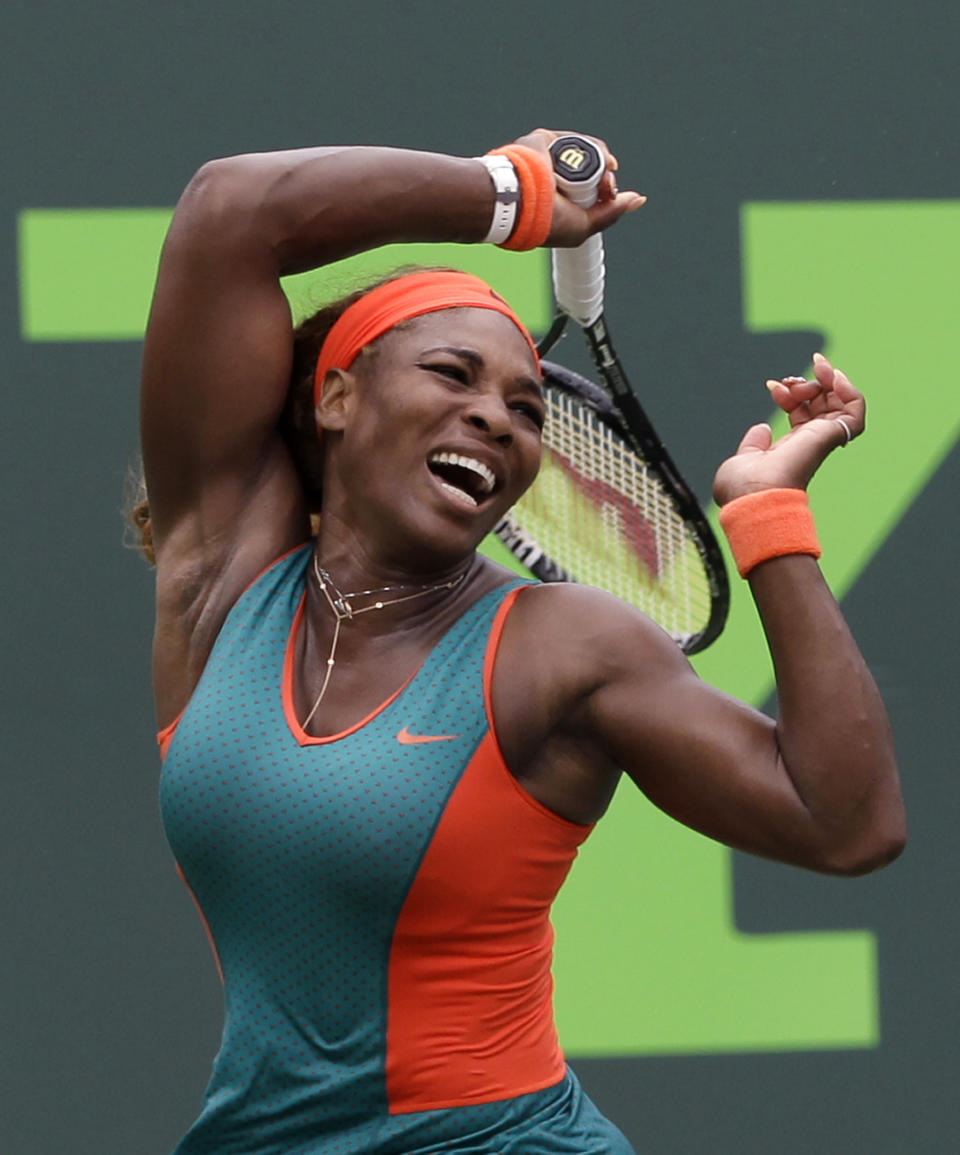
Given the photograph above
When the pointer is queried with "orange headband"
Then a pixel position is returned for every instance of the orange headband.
(410, 296)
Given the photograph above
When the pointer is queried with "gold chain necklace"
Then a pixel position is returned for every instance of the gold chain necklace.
(342, 610)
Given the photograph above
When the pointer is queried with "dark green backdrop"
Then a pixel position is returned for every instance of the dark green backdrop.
(110, 1004)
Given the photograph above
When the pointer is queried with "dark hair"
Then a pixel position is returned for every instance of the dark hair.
(297, 425)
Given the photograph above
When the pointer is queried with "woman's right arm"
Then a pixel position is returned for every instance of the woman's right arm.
(225, 499)
(217, 354)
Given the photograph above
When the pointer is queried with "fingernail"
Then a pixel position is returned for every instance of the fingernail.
(640, 201)
(818, 358)
(771, 384)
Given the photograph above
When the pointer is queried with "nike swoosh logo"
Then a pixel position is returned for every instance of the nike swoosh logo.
(405, 738)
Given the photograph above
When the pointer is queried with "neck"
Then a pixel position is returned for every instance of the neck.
(354, 564)
(345, 605)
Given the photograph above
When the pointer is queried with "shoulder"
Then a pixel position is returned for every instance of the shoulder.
(585, 636)
(572, 657)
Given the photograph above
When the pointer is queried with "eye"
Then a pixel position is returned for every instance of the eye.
(445, 369)
(530, 410)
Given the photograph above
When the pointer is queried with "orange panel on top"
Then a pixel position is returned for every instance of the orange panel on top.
(470, 1014)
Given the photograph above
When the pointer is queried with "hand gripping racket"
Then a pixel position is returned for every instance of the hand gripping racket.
(610, 509)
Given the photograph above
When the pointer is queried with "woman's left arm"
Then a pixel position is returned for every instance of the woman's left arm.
(819, 787)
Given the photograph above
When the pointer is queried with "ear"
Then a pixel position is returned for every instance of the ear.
(336, 398)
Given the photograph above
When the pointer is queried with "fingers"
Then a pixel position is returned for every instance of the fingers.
(549, 135)
(823, 371)
(792, 392)
(853, 418)
(829, 395)
(845, 391)
(757, 439)
(607, 188)
(611, 204)
(835, 381)
(845, 404)
(603, 214)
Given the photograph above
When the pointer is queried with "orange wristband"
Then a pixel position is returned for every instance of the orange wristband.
(535, 173)
(769, 523)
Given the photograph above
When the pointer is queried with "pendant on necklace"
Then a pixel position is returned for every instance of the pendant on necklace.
(343, 611)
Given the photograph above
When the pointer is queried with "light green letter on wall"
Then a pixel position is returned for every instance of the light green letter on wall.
(649, 959)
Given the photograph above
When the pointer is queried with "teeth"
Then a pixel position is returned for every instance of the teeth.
(483, 472)
(461, 493)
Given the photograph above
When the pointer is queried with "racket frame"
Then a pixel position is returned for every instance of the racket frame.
(618, 406)
(578, 278)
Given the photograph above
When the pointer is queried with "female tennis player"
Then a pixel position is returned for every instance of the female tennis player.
(381, 750)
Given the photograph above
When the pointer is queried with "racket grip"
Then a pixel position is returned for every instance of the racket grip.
(578, 274)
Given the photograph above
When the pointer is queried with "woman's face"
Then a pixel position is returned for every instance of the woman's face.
(441, 433)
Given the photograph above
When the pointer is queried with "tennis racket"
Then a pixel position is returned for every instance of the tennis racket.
(609, 508)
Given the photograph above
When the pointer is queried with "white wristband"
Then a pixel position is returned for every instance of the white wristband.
(507, 185)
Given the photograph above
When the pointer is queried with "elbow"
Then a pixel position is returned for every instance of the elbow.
(875, 848)
(216, 189)
(255, 203)
(864, 860)
(867, 829)
(223, 211)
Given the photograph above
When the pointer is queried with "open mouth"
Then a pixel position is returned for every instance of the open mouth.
(463, 477)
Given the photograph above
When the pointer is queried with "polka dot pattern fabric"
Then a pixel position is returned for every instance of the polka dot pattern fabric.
(300, 858)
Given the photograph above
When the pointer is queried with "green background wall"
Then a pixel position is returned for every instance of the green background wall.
(804, 184)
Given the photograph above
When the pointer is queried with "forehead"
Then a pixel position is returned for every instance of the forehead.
(491, 334)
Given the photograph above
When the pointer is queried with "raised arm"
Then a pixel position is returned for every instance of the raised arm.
(217, 356)
(225, 499)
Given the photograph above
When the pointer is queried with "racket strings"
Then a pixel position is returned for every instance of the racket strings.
(603, 514)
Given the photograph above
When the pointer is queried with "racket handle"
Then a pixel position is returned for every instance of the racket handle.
(578, 274)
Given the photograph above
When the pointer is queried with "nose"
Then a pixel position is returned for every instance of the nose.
(490, 415)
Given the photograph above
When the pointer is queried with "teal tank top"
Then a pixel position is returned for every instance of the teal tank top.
(301, 854)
